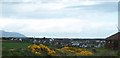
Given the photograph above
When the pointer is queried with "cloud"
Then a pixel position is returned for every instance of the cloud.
(45, 9)
(60, 17)
(69, 25)
(105, 7)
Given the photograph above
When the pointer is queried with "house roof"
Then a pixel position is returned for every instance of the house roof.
(115, 36)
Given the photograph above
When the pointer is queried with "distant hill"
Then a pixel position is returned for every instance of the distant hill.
(10, 34)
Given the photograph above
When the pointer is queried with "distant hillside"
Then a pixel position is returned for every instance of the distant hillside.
(10, 34)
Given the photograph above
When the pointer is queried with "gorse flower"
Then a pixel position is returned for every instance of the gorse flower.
(75, 51)
(44, 50)
(41, 49)
(38, 53)
(84, 53)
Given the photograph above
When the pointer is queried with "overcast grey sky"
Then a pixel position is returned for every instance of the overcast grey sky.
(60, 18)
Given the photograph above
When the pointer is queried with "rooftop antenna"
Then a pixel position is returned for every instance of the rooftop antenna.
(118, 29)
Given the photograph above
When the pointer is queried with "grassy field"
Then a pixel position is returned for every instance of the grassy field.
(105, 52)
(9, 45)
(20, 49)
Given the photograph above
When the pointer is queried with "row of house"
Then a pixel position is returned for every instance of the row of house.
(70, 42)
(13, 38)
(112, 42)
(61, 41)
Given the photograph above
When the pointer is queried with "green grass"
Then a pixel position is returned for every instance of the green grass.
(105, 52)
(18, 46)
(7, 45)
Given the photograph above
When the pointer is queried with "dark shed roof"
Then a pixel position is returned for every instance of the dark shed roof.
(114, 36)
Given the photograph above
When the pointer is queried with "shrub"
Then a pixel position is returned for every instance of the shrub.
(41, 50)
(75, 51)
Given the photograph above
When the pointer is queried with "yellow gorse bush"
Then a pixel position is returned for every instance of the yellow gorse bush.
(84, 53)
(41, 49)
(75, 51)
(44, 50)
